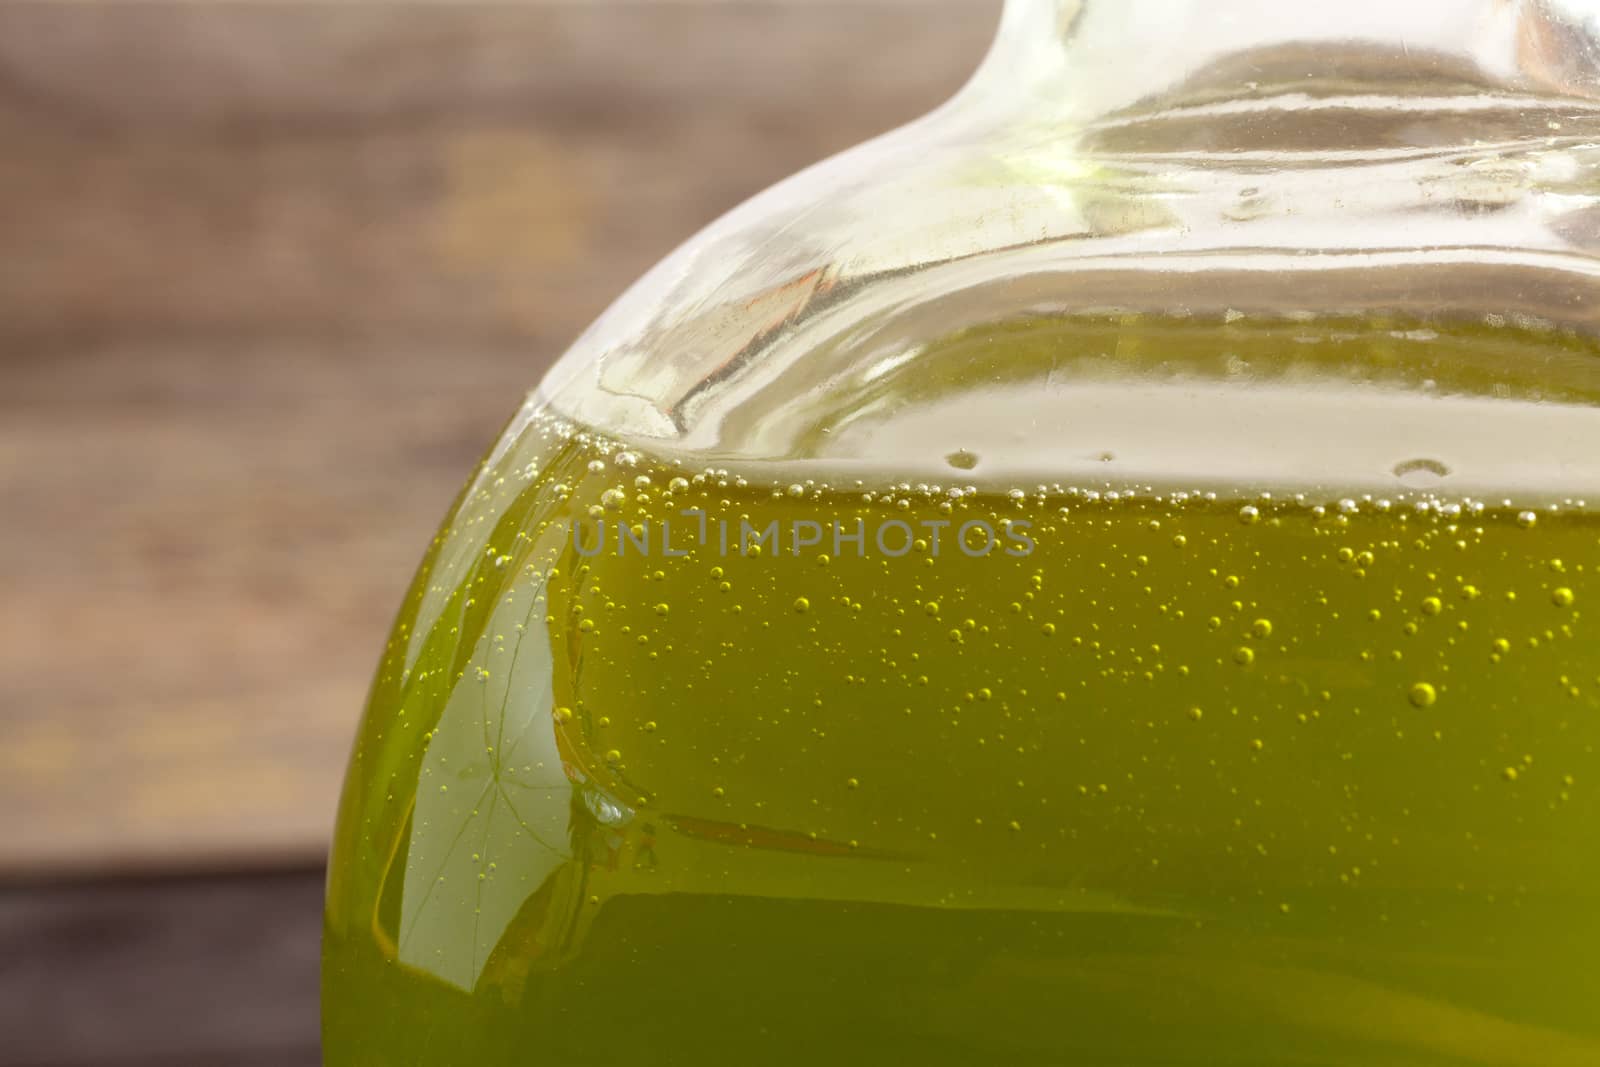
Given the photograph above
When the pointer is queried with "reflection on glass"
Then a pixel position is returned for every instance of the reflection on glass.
(493, 800)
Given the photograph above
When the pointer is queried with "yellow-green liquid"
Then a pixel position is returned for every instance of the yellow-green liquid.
(1202, 778)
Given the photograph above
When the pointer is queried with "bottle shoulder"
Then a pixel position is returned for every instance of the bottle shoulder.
(1344, 204)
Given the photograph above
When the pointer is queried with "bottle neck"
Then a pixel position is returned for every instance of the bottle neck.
(1086, 60)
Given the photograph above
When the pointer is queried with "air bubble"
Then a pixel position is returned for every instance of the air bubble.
(1421, 473)
(962, 460)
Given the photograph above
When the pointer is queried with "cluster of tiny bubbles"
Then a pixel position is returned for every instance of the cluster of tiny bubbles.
(1119, 587)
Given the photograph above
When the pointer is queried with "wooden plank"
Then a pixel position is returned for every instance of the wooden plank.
(274, 275)
(395, 168)
(164, 973)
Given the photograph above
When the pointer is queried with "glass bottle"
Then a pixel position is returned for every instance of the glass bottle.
(1105, 574)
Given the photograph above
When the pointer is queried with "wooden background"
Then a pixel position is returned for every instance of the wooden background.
(271, 276)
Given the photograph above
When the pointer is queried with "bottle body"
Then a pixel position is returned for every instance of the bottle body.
(675, 763)
(1100, 575)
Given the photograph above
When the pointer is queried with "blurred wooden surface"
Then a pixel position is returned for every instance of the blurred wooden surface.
(273, 275)
(191, 972)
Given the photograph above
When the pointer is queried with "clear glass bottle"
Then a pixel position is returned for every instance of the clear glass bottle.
(1104, 574)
